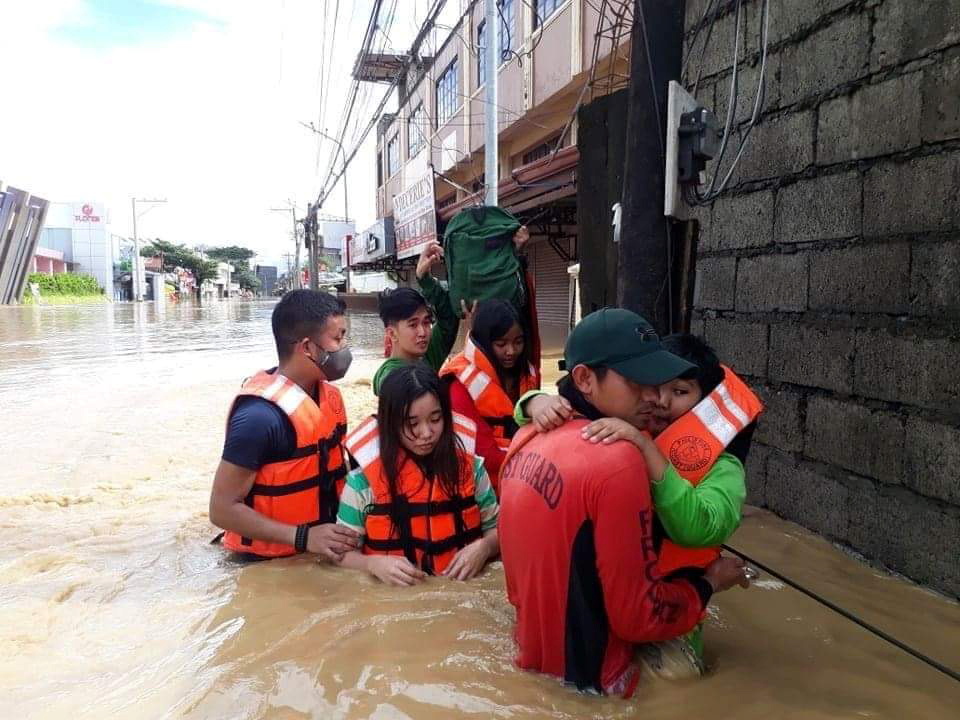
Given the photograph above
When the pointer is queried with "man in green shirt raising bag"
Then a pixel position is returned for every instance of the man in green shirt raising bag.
(423, 326)
(418, 327)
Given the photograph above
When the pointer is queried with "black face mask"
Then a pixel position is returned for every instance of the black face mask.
(334, 364)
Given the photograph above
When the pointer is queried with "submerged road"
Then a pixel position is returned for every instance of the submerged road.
(114, 604)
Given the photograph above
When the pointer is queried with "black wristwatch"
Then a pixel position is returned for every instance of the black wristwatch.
(300, 540)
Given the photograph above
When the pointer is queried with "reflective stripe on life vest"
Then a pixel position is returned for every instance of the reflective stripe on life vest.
(692, 444)
(304, 488)
(422, 522)
(478, 375)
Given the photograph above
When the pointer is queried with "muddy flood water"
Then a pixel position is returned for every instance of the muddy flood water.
(113, 603)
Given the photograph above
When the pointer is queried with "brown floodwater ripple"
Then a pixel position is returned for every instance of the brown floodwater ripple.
(113, 603)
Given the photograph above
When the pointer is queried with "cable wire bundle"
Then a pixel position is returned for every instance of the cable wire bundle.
(691, 193)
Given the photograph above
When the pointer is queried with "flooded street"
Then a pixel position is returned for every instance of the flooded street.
(113, 603)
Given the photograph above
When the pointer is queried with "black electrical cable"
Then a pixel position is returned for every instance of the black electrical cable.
(693, 41)
(703, 49)
(731, 106)
(847, 614)
(332, 180)
(692, 194)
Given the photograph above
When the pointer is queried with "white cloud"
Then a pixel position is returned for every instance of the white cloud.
(208, 118)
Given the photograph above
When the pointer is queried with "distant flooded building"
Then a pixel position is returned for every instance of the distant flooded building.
(79, 232)
(49, 261)
(223, 285)
(267, 274)
(335, 236)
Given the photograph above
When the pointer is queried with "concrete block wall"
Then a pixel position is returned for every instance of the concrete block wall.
(829, 271)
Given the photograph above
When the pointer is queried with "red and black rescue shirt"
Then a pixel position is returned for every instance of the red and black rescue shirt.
(578, 549)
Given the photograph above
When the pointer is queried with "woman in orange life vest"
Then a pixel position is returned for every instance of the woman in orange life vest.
(420, 499)
(489, 376)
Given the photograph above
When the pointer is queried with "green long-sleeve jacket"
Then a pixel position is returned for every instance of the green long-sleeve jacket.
(444, 335)
(706, 514)
(693, 516)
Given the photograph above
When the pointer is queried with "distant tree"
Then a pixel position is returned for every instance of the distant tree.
(174, 256)
(202, 270)
(247, 280)
(237, 256)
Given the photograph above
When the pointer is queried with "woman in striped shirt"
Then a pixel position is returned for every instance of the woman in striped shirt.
(421, 498)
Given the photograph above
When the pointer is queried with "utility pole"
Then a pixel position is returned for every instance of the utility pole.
(139, 276)
(298, 281)
(491, 148)
(656, 57)
(296, 285)
(310, 240)
(323, 134)
(137, 291)
(347, 242)
(346, 207)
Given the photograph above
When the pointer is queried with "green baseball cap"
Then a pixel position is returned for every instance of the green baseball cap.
(623, 341)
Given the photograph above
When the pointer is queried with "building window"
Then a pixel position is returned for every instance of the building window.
(540, 151)
(543, 9)
(393, 155)
(506, 39)
(447, 94)
(379, 168)
(416, 127)
(507, 24)
(482, 54)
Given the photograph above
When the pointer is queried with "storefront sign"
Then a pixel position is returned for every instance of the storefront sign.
(415, 217)
(87, 215)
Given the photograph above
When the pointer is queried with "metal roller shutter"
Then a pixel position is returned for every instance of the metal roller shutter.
(552, 282)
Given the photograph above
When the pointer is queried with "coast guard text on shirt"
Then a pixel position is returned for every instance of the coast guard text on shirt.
(540, 474)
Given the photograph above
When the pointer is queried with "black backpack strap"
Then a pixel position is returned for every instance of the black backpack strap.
(419, 509)
(498, 241)
(509, 425)
(427, 547)
(402, 511)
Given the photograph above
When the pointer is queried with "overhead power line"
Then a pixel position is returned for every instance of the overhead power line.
(429, 23)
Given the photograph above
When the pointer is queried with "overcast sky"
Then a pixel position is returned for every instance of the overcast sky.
(195, 101)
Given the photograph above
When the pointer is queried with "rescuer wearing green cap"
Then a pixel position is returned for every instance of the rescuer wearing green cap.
(577, 522)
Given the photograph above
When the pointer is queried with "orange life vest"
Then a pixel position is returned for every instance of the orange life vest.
(422, 523)
(304, 489)
(479, 377)
(693, 443)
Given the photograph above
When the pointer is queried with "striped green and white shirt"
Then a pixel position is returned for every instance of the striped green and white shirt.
(357, 497)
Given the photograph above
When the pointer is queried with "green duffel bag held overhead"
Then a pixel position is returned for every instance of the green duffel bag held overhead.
(481, 259)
